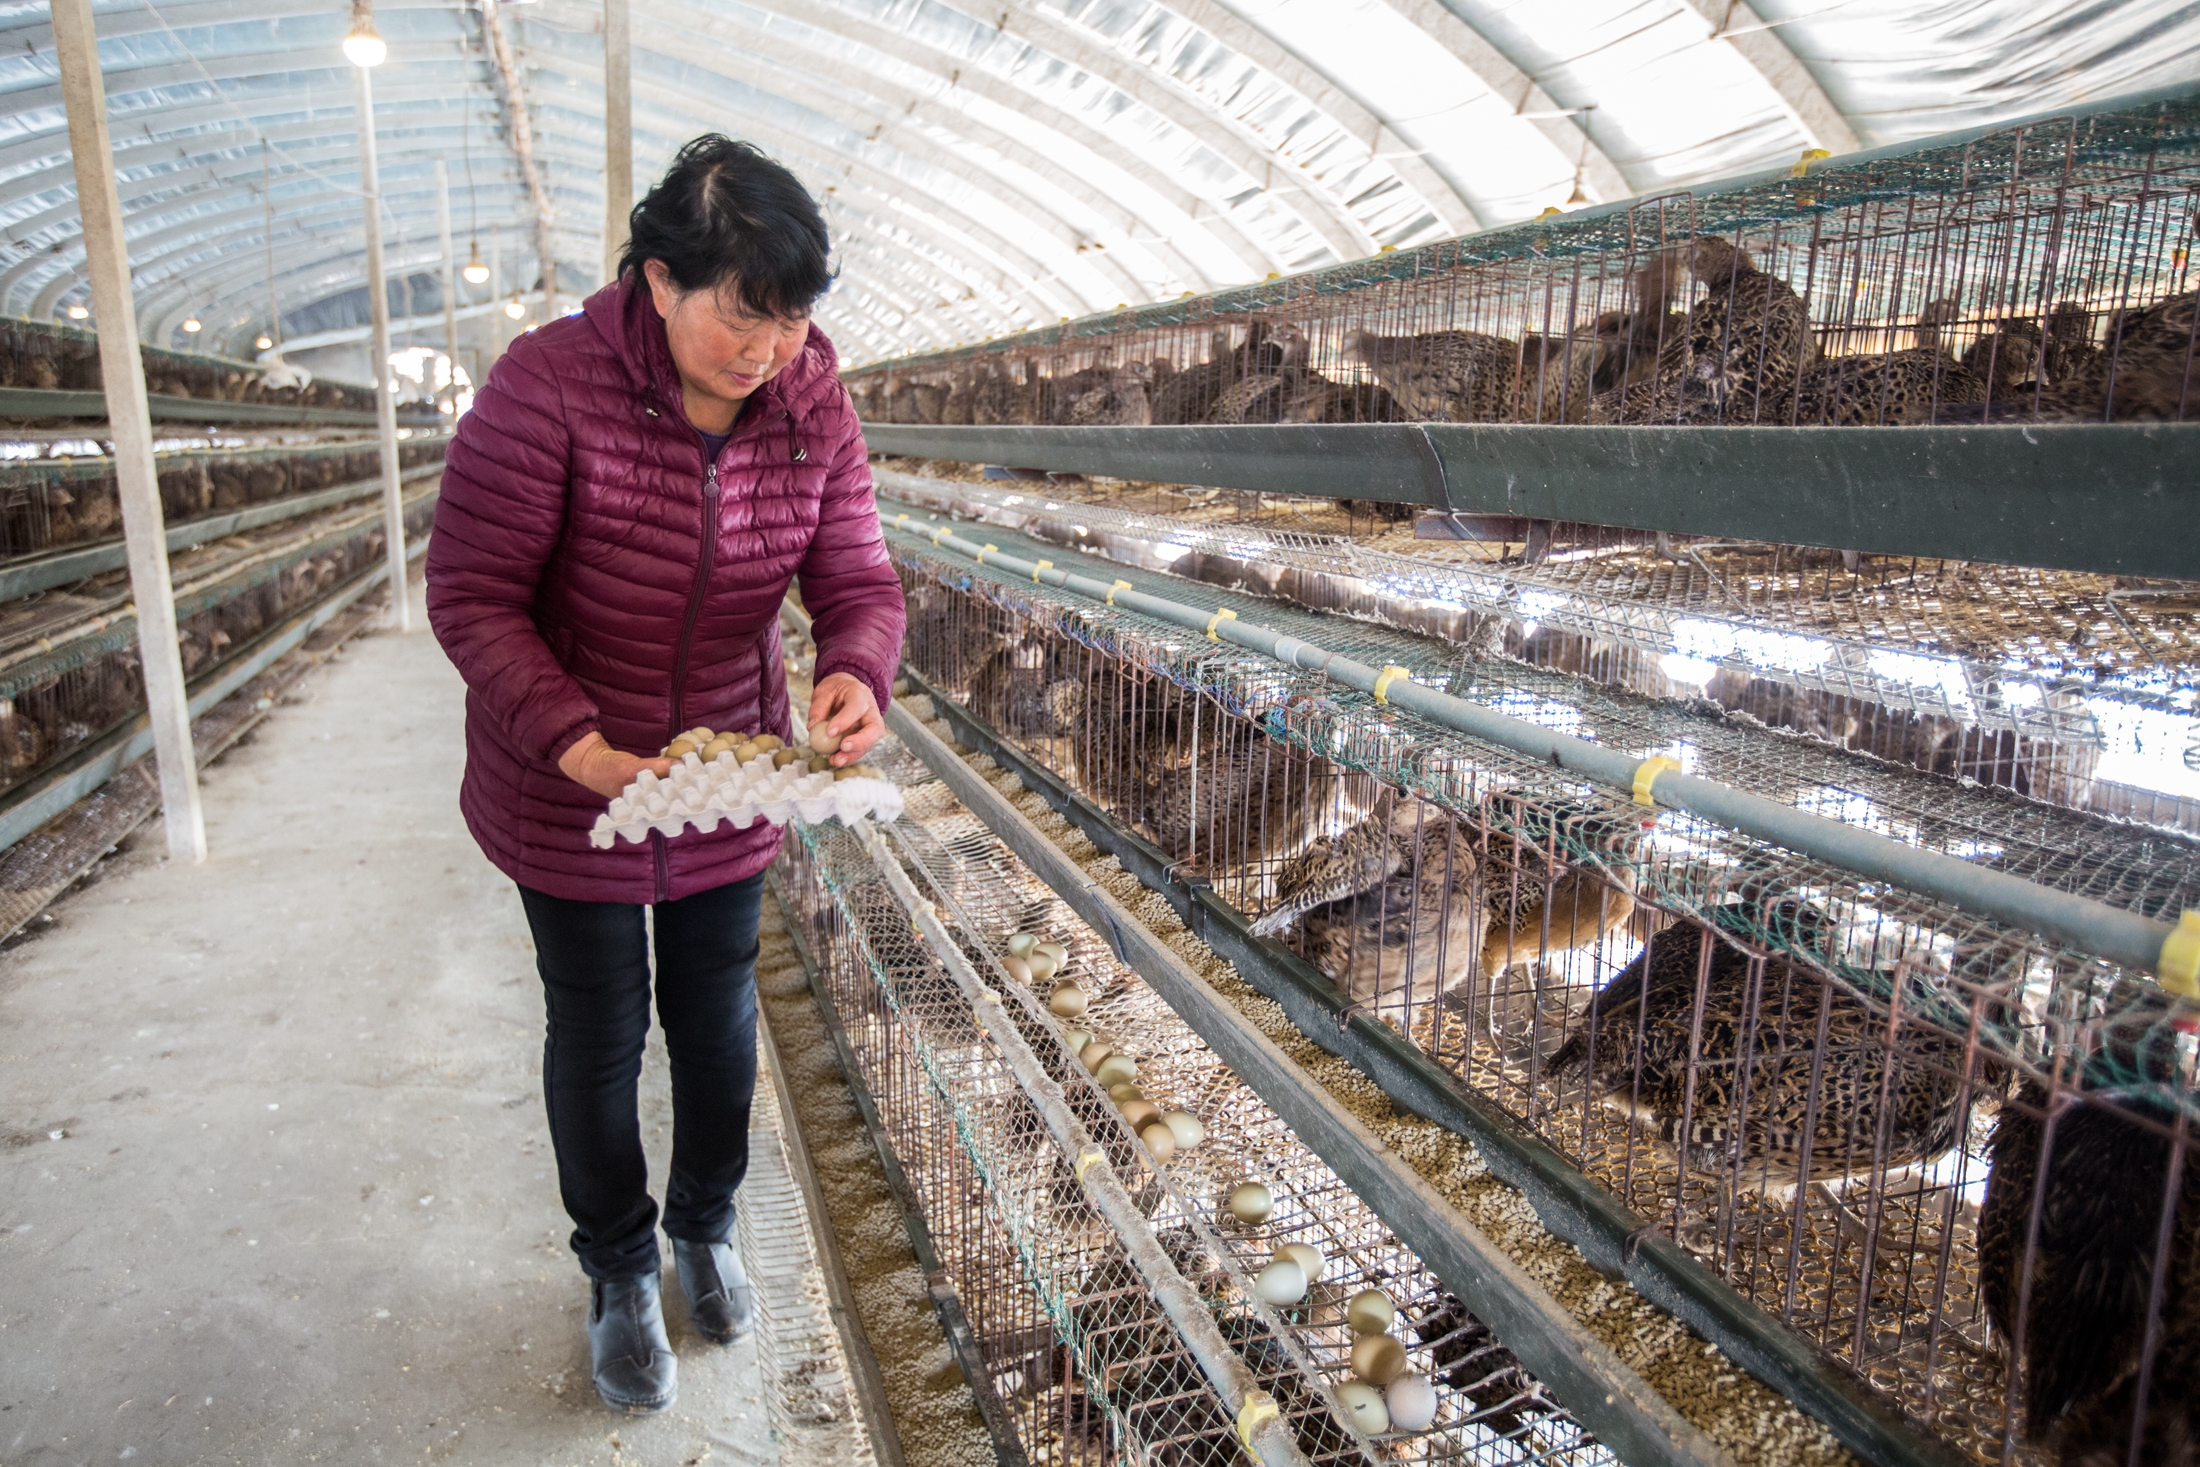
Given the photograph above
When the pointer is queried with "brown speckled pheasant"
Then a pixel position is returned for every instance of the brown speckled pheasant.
(1118, 400)
(999, 396)
(1756, 1053)
(1890, 388)
(1745, 345)
(1442, 376)
(1561, 375)
(1405, 897)
(2091, 1262)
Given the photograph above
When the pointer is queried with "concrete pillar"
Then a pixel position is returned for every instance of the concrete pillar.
(618, 132)
(385, 403)
(450, 274)
(122, 374)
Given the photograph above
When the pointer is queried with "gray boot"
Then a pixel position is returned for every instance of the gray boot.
(635, 1368)
(716, 1288)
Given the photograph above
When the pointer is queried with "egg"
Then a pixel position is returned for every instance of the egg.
(681, 747)
(1115, 1069)
(1158, 1141)
(1250, 1202)
(770, 743)
(1411, 1400)
(1140, 1113)
(1185, 1127)
(1125, 1091)
(1067, 999)
(1309, 1258)
(819, 764)
(1370, 1312)
(823, 742)
(1042, 964)
(781, 758)
(1364, 1404)
(1093, 1053)
(745, 752)
(1014, 968)
(1055, 950)
(1021, 944)
(1378, 1359)
(716, 747)
(1076, 1039)
(1281, 1282)
(852, 771)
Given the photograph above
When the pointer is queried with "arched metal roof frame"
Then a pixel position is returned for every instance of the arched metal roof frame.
(986, 167)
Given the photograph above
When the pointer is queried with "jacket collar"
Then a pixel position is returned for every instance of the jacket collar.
(627, 320)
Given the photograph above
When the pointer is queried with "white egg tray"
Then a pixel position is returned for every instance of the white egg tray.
(702, 795)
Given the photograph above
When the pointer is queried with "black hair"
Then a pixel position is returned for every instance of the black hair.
(724, 214)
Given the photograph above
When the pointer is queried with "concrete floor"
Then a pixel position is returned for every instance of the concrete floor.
(274, 1176)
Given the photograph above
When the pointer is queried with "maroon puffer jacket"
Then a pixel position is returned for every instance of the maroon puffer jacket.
(589, 572)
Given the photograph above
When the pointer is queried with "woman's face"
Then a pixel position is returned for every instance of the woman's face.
(723, 353)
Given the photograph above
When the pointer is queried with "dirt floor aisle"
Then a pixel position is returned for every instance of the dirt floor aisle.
(275, 1181)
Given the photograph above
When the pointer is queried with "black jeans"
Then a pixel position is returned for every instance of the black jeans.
(594, 961)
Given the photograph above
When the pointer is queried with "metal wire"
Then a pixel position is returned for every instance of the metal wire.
(997, 1189)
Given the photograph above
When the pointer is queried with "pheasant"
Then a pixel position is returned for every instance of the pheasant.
(1754, 1106)
(1272, 377)
(1560, 376)
(1402, 901)
(2147, 374)
(1000, 397)
(2006, 357)
(1118, 399)
(1745, 344)
(2084, 1279)
(2070, 349)
(1890, 388)
(1442, 376)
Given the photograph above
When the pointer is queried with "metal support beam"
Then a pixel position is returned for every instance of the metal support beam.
(618, 132)
(519, 132)
(450, 273)
(76, 54)
(2080, 497)
(385, 400)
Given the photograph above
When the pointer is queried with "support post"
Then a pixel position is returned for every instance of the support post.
(618, 132)
(450, 277)
(122, 374)
(497, 317)
(385, 402)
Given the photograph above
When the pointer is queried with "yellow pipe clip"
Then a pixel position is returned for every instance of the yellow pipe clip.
(1646, 775)
(1217, 620)
(1259, 1406)
(1385, 678)
(1042, 565)
(2180, 962)
(1118, 586)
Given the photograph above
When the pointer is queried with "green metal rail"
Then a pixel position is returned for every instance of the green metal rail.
(36, 402)
(2111, 498)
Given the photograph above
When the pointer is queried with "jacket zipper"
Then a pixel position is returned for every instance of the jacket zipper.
(687, 637)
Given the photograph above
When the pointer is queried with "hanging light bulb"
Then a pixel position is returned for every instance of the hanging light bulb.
(191, 325)
(263, 342)
(78, 313)
(513, 308)
(363, 44)
(476, 273)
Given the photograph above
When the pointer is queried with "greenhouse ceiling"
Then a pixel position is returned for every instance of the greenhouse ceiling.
(987, 165)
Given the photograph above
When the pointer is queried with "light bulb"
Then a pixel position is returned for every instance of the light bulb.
(263, 343)
(514, 309)
(191, 324)
(363, 44)
(475, 272)
(78, 313)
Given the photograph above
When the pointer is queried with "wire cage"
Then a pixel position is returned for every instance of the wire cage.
(2041, 271)
(50, 357)
(1987, 674)
(1819, 1084)
(69, 680)
(55, 503)
(1084, 1361)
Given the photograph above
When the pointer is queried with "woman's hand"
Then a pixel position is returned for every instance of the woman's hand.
(605, 770)
(842, 704)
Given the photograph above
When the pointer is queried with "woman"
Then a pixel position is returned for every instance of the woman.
(622, 511)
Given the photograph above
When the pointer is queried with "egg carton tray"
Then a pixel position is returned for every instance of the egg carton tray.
(702, 795)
